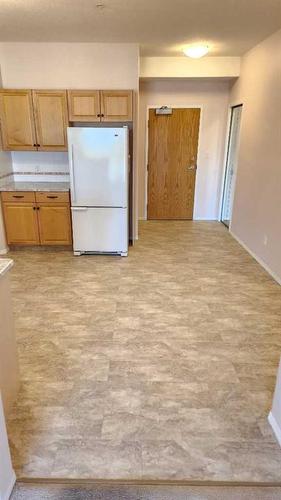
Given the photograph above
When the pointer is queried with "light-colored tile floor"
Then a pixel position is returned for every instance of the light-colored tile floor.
(161, 365)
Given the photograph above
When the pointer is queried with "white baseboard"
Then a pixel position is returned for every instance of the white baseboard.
(4, 251)
(9, 490)
(194, 219)
(275, 427)
(205, 219)
(258, 259)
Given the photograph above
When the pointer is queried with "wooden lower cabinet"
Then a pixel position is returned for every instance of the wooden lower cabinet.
(35, 223)
(54, 224)
(21, 223)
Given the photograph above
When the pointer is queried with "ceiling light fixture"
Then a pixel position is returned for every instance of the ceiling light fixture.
(196, 51)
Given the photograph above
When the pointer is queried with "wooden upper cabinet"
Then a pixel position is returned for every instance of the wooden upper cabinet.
(84, 105)
(100, 105)
(51, 119)
(17, 121)
(116, 105)
(38, 119)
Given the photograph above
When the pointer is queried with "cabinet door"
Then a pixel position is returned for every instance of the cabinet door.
(51, 120)
(21, 223)
(54, 224)
(17, 120)
(84, 105)
(116, 105)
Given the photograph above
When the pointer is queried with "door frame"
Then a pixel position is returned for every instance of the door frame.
(175, 106)
(225, 159)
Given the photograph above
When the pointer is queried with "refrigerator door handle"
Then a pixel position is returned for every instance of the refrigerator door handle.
(71, 171)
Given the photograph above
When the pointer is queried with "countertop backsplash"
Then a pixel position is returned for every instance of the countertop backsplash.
(40, 177)
(36, 166)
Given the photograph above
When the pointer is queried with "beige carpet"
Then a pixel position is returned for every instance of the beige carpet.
(47, 491)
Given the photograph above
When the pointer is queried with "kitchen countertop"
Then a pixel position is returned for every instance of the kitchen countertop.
(5, 265)
(35, 186)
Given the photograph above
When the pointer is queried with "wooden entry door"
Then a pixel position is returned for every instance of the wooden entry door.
(172, 159)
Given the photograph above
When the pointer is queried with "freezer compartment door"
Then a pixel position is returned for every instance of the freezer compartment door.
(103, 230)
(98, 164)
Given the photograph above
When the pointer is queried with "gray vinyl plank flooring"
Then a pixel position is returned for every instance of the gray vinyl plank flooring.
(161, 365)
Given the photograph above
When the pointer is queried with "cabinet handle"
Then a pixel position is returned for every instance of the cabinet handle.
(34, 208)
(52, 197)
(102, 115)
(35, 145)
(38, 145)
(99, 115)
(38, 208)
(18, 196)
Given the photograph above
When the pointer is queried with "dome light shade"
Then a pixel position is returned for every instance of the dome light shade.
(196, 51)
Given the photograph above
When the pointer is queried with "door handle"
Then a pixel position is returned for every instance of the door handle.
(71, 171)
(192, 167)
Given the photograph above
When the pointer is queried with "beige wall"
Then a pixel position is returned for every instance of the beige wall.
(69, 65)
(186, 67)
(9, 376)
(6, 167)
(3, 244)
(256, 218)
(7, 474)
(213, 96)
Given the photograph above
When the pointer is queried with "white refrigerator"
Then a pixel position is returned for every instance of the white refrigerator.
(99, 165)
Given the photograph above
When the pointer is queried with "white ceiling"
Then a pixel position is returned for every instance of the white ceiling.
(162, 27)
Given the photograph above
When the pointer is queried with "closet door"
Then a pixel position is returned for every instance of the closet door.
(51, 119)
(116, 105)
(17, 121)
(84, 105)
